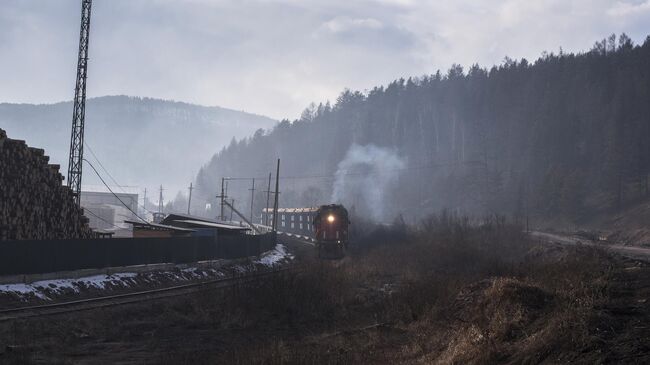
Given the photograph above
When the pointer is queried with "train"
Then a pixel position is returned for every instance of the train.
(326, 225)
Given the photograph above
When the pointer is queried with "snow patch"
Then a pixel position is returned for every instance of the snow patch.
(275, 256)
(49, 289)
(39, 288)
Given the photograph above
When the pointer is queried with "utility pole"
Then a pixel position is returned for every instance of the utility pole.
(221, 197)
(527, 206)
(252, 198)
(268, 199)
(277, 191)
(189, 201)
(160, 201)
(226, 196)
(257, 230)
(75, 162)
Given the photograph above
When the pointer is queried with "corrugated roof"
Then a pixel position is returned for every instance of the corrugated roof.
(179, 216)
(292, 210)
(213, 225)
(163, 226)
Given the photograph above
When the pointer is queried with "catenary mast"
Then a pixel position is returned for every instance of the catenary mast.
(75, 162)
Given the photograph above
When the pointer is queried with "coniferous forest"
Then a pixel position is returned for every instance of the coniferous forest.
(566, 135)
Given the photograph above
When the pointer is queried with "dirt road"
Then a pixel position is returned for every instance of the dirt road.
(634, 252)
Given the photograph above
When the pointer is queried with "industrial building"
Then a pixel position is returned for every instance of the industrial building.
(183, 225)
(106, 211)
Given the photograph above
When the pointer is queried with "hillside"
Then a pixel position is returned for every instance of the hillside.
(141, 142)
(566, 136)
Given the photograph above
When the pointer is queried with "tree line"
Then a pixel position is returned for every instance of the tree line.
(567, 135)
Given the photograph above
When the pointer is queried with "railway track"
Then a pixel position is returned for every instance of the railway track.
(136, 297)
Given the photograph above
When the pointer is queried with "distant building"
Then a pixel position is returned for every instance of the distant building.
(107, 212)
(202, 226)
(183, 225)
(155, 230)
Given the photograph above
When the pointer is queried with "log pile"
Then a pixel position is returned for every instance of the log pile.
(34, 203)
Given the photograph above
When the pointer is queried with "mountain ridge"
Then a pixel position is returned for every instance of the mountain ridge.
(142, 141)
(133, 97)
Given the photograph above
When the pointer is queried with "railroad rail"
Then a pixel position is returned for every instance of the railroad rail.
(135, 297)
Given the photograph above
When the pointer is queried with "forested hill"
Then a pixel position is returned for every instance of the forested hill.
(142, 142)
(566, 135)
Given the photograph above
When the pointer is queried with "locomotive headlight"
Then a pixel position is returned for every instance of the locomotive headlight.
(330, 218)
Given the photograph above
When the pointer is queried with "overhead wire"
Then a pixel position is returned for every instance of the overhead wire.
(351, 172)
(102, 166)
(360, 173)
(111, 176)
(86, 210)
(112, 192)
(295, 177)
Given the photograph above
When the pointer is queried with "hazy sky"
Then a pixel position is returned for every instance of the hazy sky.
(274, 57)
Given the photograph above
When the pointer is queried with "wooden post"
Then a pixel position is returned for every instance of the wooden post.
(268, 199)
(275, 203)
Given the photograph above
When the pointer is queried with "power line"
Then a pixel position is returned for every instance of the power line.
(349, 172)
(379, 171)
(111, 176)
(115, 195)
(361, 173)
(102, 166)
(86, 210)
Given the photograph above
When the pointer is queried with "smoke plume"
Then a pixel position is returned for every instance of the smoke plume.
(365, 177)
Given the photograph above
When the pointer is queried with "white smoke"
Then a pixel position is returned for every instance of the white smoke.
(365, 177)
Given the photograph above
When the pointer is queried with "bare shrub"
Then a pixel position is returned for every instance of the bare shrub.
(452, 290)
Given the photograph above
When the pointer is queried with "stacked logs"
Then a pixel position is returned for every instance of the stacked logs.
(34, 203)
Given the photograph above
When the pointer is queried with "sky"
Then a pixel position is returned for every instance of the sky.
(274, 57)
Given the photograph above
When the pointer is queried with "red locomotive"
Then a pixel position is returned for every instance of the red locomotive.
(326, 225)
(331, 230)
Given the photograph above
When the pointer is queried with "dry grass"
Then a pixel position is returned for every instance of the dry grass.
(451, 291)
(462, 293)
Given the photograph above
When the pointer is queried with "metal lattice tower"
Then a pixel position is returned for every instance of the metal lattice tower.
(75, 163)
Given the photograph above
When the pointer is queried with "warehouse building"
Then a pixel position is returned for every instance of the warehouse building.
(183, 225)
(106, 212)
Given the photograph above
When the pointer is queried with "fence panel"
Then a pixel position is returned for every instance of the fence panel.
(39, 257)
